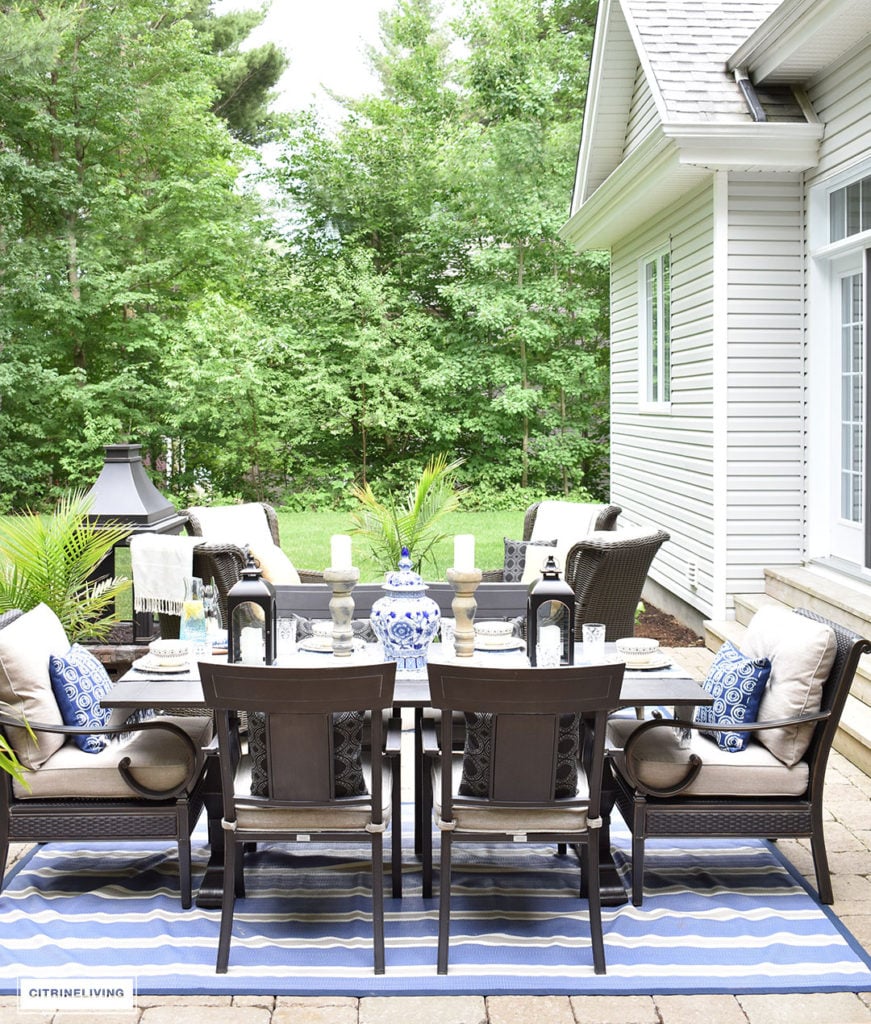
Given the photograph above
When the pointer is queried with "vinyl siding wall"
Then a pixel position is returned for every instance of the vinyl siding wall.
(643, 115)
(662, 461)
(842, 101)
(720, 469)
(764, 454)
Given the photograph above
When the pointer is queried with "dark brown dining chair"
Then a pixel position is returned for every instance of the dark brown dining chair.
(302, 796)
(525, 771)
(666, 789)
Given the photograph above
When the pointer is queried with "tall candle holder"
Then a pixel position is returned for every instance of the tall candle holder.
(465, 583)
(342, 583)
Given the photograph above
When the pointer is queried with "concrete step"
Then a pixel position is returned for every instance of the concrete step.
(821, 590)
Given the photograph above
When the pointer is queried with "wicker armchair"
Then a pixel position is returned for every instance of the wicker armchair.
(749, 793)
(606, 519)
(607, 572)
(223, 562)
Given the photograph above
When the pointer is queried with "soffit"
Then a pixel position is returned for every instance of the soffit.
(801, 38)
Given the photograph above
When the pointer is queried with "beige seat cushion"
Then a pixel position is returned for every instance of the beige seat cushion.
(25, 684)
(801, 652)
(158, 760)
(483, 818)
(337, 817)
(659, 761)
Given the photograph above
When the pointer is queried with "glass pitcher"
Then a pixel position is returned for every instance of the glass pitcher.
(193, 617)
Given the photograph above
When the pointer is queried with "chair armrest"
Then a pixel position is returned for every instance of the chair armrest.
(429, 738)
(393, 737)
(694, 762)
(124, 763)
(310, 576)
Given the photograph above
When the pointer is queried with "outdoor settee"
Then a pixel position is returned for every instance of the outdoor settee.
(90, 776)
(758, 772)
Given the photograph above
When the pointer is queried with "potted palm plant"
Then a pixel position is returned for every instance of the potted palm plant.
(52, 559)
(412, 521)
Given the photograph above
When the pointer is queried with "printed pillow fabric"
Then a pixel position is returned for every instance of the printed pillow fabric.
(736, 683)
(80, 682)
(515, 557)
(347, 753)
(478, 753)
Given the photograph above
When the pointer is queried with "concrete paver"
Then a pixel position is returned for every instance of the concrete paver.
(614, 1009)
(523, 1009)
(434, 1010)
(808, 1008)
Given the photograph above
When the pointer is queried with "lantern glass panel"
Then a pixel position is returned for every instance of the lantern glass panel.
(249, 625)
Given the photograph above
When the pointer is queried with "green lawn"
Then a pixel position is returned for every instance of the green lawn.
(305, 539)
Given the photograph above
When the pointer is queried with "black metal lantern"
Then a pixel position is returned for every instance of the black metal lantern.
(550, 618)
(251, 618)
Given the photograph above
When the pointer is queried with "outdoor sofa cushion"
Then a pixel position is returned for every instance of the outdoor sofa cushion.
(25, 685)
(660, 761)
(336, 817)
(246, 525)
(158, 760)
(568, 521)
(801, 652)
(472, 818)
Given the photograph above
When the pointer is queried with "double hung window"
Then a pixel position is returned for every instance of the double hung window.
(656, 328)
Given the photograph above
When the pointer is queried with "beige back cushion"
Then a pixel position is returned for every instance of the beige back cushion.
(234, 524)
(568, 521)
(25, 684)
(801, 652)
(274, 564)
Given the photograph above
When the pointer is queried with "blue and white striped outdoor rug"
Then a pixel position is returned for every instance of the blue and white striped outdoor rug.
(718, 917)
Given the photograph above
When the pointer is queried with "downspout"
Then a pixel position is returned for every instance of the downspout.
(748, 91)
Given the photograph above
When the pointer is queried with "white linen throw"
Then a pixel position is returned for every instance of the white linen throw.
(160, 563)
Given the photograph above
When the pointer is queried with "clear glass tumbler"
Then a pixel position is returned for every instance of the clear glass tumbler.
(594, 642)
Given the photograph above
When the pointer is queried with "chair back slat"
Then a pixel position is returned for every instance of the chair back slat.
(530, 776)
(299, 758)
(573, 688)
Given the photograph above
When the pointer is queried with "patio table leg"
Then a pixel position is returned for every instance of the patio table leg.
(212, 886)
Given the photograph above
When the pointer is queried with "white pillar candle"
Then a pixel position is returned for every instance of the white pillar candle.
(464, 552)
(340, 551)
(251, 646)
(549, 637)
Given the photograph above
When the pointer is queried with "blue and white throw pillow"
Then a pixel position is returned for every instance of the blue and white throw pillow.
(80, 682)
(736, 683)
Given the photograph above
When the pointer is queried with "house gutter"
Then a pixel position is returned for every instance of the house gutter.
(748, 91)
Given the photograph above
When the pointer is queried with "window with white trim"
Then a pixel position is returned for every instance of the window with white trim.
(656, 327)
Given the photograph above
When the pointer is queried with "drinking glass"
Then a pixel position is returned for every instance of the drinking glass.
(193, 617)
(285, 640)
(594, 641)
(547, 655)
(447, 636)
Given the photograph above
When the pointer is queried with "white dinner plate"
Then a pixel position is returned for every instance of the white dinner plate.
(658, 661)
(149, 663)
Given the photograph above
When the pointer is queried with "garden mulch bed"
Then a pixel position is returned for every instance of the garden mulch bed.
(666, 629)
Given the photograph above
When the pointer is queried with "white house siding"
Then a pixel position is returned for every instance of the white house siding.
(643, 115)
(765, 485)
(842, 101)
(662, 461)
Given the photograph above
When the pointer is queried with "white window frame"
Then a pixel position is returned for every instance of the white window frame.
(654, 331)
(829, 263)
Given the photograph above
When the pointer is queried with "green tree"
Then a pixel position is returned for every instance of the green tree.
(118, 186)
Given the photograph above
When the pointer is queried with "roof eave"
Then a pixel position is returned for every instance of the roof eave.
(674, 159)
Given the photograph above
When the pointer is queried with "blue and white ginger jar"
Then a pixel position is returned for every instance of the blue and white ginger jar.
(405, 620)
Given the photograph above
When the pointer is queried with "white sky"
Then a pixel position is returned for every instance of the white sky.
(325, 40)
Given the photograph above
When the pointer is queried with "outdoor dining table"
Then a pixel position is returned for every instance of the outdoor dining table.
(670, 685)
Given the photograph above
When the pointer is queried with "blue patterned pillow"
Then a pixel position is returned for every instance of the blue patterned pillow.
(736, 683)
(79, 682)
